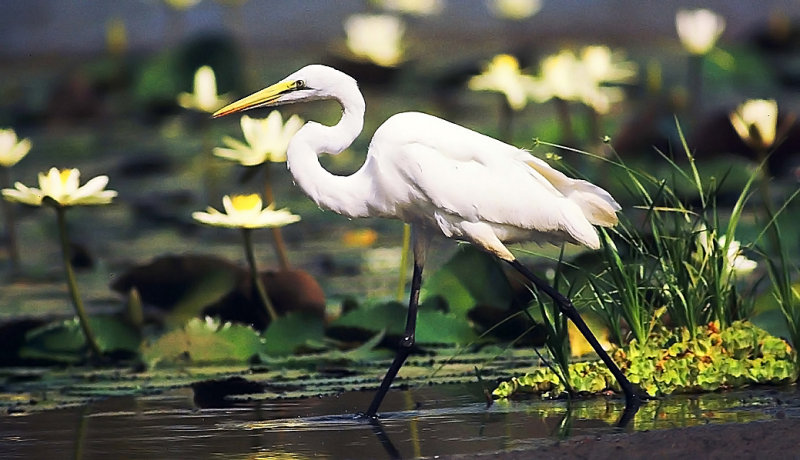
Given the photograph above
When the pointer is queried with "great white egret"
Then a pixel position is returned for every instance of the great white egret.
(443, 179)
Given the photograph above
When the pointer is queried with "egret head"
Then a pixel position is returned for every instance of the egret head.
(313, 82)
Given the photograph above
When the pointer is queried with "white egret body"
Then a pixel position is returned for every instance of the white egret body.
(443, 179)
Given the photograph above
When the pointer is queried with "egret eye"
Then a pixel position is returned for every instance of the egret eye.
(299, 84)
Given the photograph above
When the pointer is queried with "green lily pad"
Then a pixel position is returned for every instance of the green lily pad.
(469, 278)
(389, 316)
(64, 341)
(288, 333)
(436, 327)
(204, 342)
(433, 326)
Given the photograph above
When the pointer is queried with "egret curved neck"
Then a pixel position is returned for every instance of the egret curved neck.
(346, 195)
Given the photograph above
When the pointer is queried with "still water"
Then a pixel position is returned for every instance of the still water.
(426, 421)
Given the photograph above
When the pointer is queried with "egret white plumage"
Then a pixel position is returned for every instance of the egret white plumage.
(443, 179)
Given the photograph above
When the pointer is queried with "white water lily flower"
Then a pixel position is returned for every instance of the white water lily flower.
(12, 149)
(265, 140)
(376, 38)
(560, 77)
(756, 122)
(63, 188)
(245, 211)
(414, 7)
(699, 29)
(606, 66)
(514, 9)
(736, 263)
(564, 76)
(502, 74)
(181, 5)
(204, 98)
(583, 79)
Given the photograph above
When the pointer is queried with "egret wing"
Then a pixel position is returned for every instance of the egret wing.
(485, 172)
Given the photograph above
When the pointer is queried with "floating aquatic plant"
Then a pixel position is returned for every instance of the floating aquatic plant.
(591, 77)
(204, 97)
(203, 342)
(698, 31)
(756, 121)
(412, 7)
(266, 142)
(675, 361)
(247, 212)
(376, 38)
(586, 77)
(515, 10)
(503, 75)
(61, 189)
(181, 5)
(12, 150)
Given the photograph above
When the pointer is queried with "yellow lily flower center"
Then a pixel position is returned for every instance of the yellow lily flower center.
(506, 61)
(246, 202)
(64, 175)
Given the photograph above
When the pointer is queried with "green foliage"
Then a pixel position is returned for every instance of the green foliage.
(367, 352)
(437, 327)
(676, 361)
(785, 292)
(207, 288)
(65, 342)
(584, 377)
(389, 316)
(203, 342)
(287, 334)
(158, 80)
(627, 299)
(433, 326)
(673, 254)
(471, 277)
(557, 337)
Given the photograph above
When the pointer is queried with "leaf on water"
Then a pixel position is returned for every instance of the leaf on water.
(366, 320)
(203, 342)
(366, 352)
(64, 341)
(290, 332)
(470, 277)
(434, 327)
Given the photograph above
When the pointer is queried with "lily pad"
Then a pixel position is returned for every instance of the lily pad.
(471, 277)
(433, 326)
(444, 328)
(204, 342)
(288, 333)
(64, 341)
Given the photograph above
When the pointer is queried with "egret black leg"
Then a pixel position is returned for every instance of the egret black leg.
(406, 343)
(632, 399)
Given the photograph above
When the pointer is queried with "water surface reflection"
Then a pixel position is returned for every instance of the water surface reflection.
(429, 421)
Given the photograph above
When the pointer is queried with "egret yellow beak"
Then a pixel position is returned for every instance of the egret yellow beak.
(259, 99)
